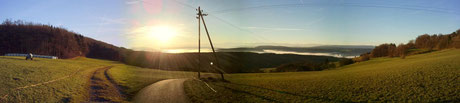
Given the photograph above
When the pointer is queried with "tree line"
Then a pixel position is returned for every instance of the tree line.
(422, 44)
(26, 37)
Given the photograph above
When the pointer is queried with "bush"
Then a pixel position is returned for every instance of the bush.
(362, 57)
(345, 61)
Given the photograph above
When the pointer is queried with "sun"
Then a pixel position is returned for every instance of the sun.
(162, 34)
(154, 37)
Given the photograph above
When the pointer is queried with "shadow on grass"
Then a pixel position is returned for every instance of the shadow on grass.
(282, 92)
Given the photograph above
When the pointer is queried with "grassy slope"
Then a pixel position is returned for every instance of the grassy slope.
(425, 77)
(16, 72)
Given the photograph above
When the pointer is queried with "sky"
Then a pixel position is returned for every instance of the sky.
(172, 24)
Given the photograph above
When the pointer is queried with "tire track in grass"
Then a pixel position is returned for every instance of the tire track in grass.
(102, 88)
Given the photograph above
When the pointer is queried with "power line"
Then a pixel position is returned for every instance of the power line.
(406, 7)
(184, 4)
(241, 29)
(224, 21)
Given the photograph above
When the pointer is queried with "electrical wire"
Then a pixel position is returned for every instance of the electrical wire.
(406, 7)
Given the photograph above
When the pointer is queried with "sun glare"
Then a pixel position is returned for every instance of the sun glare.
(163, 34)
(154, 37)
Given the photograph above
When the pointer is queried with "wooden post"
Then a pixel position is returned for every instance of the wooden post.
(199, 42)
(212, 47)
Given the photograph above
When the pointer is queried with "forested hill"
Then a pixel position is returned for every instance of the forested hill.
(25, 37)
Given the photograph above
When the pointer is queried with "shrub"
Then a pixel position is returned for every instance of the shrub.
(345, 61)
(362, 57)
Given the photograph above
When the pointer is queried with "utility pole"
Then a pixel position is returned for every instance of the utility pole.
(200, 16)
(199, 42)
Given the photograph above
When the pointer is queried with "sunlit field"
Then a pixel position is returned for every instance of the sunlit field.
(70, 78)
(229, 51)
(431, 77)
(25, 81)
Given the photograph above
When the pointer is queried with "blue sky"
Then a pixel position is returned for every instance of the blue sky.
(235, 23)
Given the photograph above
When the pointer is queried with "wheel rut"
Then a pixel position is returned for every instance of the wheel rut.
(103, 88)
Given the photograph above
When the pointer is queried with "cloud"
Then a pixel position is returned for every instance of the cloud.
(283, 29)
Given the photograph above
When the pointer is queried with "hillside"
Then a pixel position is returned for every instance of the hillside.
(235, 62)
(68, 80)
(422, 44)
(26, 37)
(431, 77)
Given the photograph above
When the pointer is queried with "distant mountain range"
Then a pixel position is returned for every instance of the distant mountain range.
(347, 51)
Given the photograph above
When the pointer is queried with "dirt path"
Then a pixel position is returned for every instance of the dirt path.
(165, 91)
(102, 88)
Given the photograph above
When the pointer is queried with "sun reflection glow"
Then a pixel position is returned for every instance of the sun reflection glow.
(163, 34)
(153, 37)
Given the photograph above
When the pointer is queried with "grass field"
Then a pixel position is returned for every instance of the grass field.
(18, 78)
(71, 78)
(431, 77)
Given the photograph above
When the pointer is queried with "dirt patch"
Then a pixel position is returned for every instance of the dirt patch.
(103, 89)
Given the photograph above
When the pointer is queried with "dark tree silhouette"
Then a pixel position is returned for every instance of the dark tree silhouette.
(25, 37)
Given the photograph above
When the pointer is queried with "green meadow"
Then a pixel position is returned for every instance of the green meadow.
(29, 81)
(26, 81)
(430, 77)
